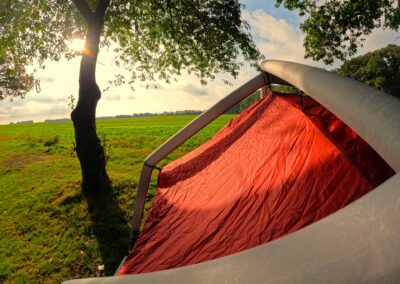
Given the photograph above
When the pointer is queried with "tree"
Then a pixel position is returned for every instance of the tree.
(334, 29)
(241, 106)
(380, 69)
(156, 40)
(14, 80)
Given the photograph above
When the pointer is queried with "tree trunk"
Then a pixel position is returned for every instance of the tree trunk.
(90, 152)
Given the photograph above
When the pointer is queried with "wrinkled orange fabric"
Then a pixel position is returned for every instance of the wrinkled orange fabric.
(276, 168)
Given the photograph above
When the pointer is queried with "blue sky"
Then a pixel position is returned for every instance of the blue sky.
(269, 7)
(275, 31)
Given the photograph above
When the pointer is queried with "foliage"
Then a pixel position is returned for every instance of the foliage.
(52, 231)
(285, 89)
(71, 102)
(379, 69)
(105, 143)
(255, 97)
(52, 141)
(334, 29)
(241, 106)
(14, 80)
(153, 39)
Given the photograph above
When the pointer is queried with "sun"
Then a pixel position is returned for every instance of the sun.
(77, 45)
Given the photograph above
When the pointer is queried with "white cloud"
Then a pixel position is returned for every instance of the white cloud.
(111, 97)
(379, 38)
(277, 38)
(194, 90)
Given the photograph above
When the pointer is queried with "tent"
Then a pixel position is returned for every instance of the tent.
(267, 198)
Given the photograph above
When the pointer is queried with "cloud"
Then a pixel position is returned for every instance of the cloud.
(111, 97)
(5, 111)
(46, 79)
(33, 111)
(46, 99)
(194, 90)
(276, 38)
(379, 38)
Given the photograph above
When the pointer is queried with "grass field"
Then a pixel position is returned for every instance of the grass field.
(50, 231)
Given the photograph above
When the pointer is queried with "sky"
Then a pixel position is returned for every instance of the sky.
(275, 31)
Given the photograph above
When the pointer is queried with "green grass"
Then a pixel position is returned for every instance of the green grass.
(50, 231)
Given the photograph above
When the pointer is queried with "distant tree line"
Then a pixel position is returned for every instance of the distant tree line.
(165, 113)
(23, 122)
(143, 114)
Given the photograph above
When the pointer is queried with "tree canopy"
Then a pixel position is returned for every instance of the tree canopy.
(335, 29)
(154, 39)
(379, 69)
(14, 80)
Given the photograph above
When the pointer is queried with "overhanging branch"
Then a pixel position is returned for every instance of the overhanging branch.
(84, 9)
(102, 8)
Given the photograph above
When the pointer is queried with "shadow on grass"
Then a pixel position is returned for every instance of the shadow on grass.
(109, 226)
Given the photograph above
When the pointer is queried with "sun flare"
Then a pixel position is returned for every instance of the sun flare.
(77, 45)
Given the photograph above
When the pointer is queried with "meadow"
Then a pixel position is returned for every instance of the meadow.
(50, 231)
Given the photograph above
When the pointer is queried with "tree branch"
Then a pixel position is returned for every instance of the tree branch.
(84, 9)
(102, 8)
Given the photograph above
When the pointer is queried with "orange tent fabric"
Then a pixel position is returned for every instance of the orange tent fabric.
(279, 166)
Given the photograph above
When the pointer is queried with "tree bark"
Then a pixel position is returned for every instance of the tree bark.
(90, 152)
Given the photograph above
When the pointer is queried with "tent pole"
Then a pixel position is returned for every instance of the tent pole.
(263, 92)
(184, 134)
(140, 200)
